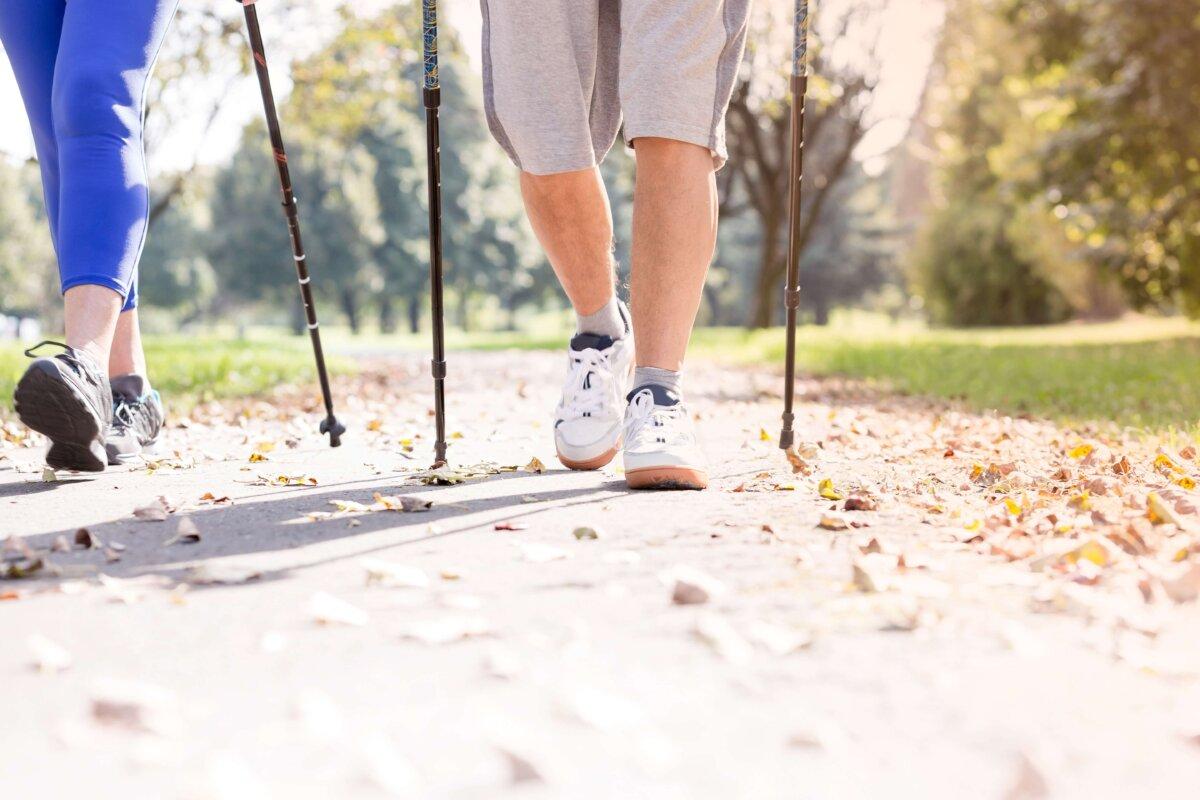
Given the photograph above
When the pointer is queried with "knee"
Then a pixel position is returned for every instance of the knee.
(90, 99)
(670, 151)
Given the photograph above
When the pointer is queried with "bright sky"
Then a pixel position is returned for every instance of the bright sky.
(909, 30)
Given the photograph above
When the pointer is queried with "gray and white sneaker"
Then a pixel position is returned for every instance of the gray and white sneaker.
(588, 420)
(137, 420)
(67, 399)
(660, 449)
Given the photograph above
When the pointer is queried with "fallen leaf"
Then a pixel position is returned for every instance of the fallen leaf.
(209, 497)
(860, 503)
(826, 489)
(87, 540)
(154, 512)
(691, 586)
(535, 466)
(257, 457)
(350, 506)
(510, 526)
(403, 503)
(584, 533)
(385, 573)
(219, 573)
(186, 533)
(1080, 451)
(832, 522)
(1160, 512)
(799, 465)
(444, 630)
(329, 610)
(520, 769)
(48, 475)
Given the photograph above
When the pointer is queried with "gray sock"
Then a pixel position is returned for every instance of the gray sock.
(666, 378)
(608, 321)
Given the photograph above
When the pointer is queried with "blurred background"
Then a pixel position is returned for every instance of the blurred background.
(970, 163)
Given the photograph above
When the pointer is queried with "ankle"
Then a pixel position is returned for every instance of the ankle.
(669, 379)
(610, 320)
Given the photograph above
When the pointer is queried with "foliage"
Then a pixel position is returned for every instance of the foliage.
(27, 270)
(1066, 150)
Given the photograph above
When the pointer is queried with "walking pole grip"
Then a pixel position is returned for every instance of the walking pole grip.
(791, 293)
(432, 94)
(330, 424)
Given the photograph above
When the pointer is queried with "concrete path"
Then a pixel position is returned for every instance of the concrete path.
(479, 649)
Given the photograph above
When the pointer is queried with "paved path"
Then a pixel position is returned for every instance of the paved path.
(527, 663)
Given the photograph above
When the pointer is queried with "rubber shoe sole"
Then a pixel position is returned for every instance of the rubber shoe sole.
(599, 461)
(48, 405)
(667, 478)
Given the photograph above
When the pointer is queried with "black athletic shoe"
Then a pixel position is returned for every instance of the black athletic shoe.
(137, 419)
(67, 398)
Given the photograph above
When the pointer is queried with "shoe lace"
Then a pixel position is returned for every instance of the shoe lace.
(76, 359)
(649, 424)
(124, 414)
(589, 385)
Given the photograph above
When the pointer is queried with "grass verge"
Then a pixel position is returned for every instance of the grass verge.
(1140, 373)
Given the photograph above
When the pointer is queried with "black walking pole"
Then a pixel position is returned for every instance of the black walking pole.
(433, 98)
(791, 294)
(330, 424)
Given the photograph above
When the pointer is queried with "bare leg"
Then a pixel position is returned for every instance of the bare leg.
(674, 235)
(91, 320)
(569, 213)
(127, 356)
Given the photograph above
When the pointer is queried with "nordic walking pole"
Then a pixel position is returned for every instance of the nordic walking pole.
(791, 293)
(330, 424)
(433, 99)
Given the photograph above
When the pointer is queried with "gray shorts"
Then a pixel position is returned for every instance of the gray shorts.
(559, 75)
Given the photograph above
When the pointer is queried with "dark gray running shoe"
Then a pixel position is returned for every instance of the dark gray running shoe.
(137, 420)
(67, 399)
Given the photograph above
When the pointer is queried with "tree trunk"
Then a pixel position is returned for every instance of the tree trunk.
(414, 313)
(768, 292)
(387, 315)
(350, 309)
(821, 310)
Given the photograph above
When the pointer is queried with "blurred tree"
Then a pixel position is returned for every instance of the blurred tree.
(1115, 87)
(841, 91)
(28, 269)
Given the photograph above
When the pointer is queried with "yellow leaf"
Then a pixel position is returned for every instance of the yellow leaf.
(832, 522)
(256, 457)
(1159, 512)
(1184, 482)
(1081, 501)
(374, 424)
(974, 525)
(1163, 463)
(1013, 506)
(763, 436)
(827, 490)
(535, 466)
(976, 471)
(265, 446)
(1091, 551)
(456, 435)
(1082, 451)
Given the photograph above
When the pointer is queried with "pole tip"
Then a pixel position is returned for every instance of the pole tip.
(787, 437)
(335, 430)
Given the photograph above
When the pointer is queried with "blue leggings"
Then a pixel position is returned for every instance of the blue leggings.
(83, 66)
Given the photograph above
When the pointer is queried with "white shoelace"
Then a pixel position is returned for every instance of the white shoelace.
(654, 427)
(584, 397)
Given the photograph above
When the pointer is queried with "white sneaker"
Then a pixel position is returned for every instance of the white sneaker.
(588, 420)
(660, 443)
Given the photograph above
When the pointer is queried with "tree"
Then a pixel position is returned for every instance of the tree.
(840, 94)
(28, 269)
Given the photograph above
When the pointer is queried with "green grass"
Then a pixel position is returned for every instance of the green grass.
(188, 370)
(1139, 373)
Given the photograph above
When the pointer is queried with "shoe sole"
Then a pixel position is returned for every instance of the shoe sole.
(590, 464)
(667, 478)
(147, 452)
(53, 409)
